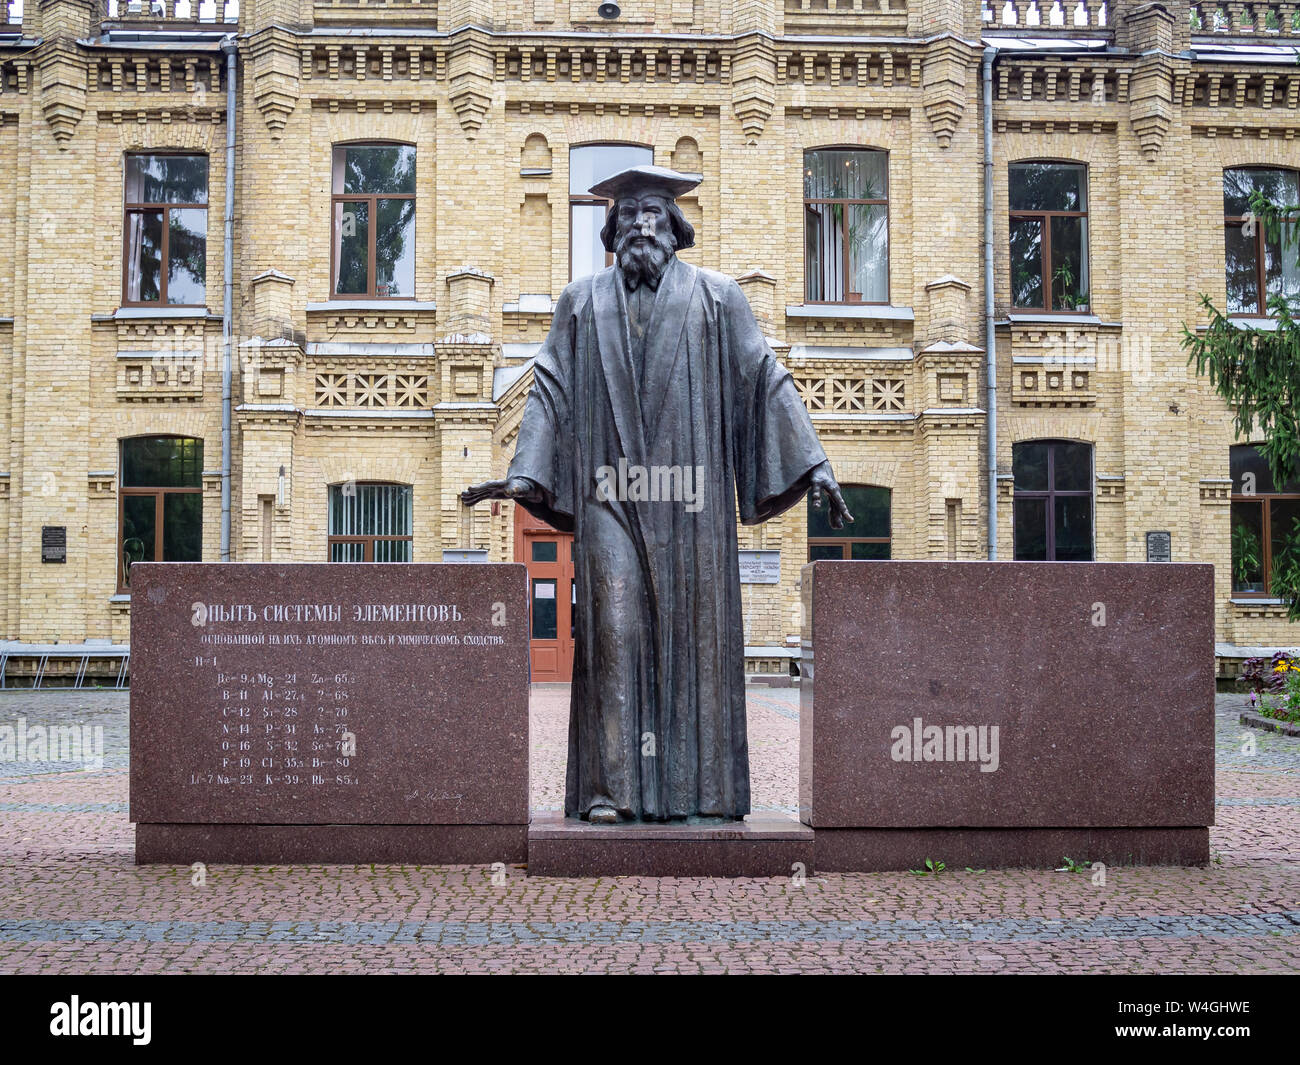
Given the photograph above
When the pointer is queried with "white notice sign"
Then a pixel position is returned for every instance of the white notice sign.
(760, 567)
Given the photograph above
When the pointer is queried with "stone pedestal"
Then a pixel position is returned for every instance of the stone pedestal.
(329, 713)
(1004, 714)
(762, 845)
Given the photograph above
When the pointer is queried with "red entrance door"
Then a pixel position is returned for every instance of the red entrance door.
(548, 554)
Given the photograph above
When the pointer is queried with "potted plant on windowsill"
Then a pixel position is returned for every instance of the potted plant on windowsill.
(1247, 561)
(1069, 299)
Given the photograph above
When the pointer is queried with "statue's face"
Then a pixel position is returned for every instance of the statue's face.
(641, 219)
(644, 242)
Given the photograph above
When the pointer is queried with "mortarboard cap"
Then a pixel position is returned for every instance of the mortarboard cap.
(640, 180)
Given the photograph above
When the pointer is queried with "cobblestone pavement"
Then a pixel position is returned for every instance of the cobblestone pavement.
(73, 901)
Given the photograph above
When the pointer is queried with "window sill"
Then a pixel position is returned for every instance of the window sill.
(1264, 609)
(1050, 318)
(344, 306)
(126, 314)
(820, 351)
(530, 304)
(868, 416)
(1247, 321)
(870, 311)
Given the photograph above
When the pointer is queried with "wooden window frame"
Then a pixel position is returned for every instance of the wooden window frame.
(160, 492)
(130, 207)
(844, 265)
(368, 540)
(1265, 500)
(849, 541)
(1261, 280)
(1050, 494)
(1261, 299)
(1045, 217)
(372, 237)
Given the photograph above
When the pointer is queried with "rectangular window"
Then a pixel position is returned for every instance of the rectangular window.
(1049, 236)
(161, 506)
(166, 230)
(1259, 266)
(846, 226)
(1053, 501)
(370, 523)
(1265, 522)
(866, 537)
(374, 221)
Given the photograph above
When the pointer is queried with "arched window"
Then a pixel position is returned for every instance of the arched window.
(846, 226)
(589, 164)
(369, 522)
(1053, 501)
(1049, 236)
(160, 516)
(1258, 266)
(373, 255)
(1265, 521)
(165, 260)
(868, 537)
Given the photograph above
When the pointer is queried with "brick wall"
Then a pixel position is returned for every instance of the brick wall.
(333, 393)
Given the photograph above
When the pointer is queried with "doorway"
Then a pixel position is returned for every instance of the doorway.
(548, 555)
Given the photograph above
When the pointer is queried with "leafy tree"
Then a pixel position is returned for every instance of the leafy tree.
(1257, 372)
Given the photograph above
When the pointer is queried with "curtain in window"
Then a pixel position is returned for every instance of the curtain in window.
(379, 510)
(846, 243)
(370, 510)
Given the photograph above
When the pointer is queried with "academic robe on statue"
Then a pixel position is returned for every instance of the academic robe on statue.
(657, 720)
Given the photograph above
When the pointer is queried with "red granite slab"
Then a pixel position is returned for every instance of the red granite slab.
(875, 850)
(1098, 676)
(761, 845)
(331, 844)
(247, 679)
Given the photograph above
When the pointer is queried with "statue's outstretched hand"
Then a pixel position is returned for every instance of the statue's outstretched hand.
(826, 487)
(509, 488)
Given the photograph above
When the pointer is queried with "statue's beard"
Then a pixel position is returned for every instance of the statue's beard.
(644, 261)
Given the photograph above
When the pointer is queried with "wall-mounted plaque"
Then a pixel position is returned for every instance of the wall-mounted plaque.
(760, 567)
(1159, 547)
(54, 543)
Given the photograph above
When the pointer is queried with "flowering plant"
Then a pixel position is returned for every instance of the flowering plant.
(1277, 681)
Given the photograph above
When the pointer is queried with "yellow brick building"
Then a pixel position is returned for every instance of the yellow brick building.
(407, 204)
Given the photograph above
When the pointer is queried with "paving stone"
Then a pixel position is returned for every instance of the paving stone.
(76, 902)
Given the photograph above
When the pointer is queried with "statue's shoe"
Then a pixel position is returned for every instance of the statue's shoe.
(603, 815)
